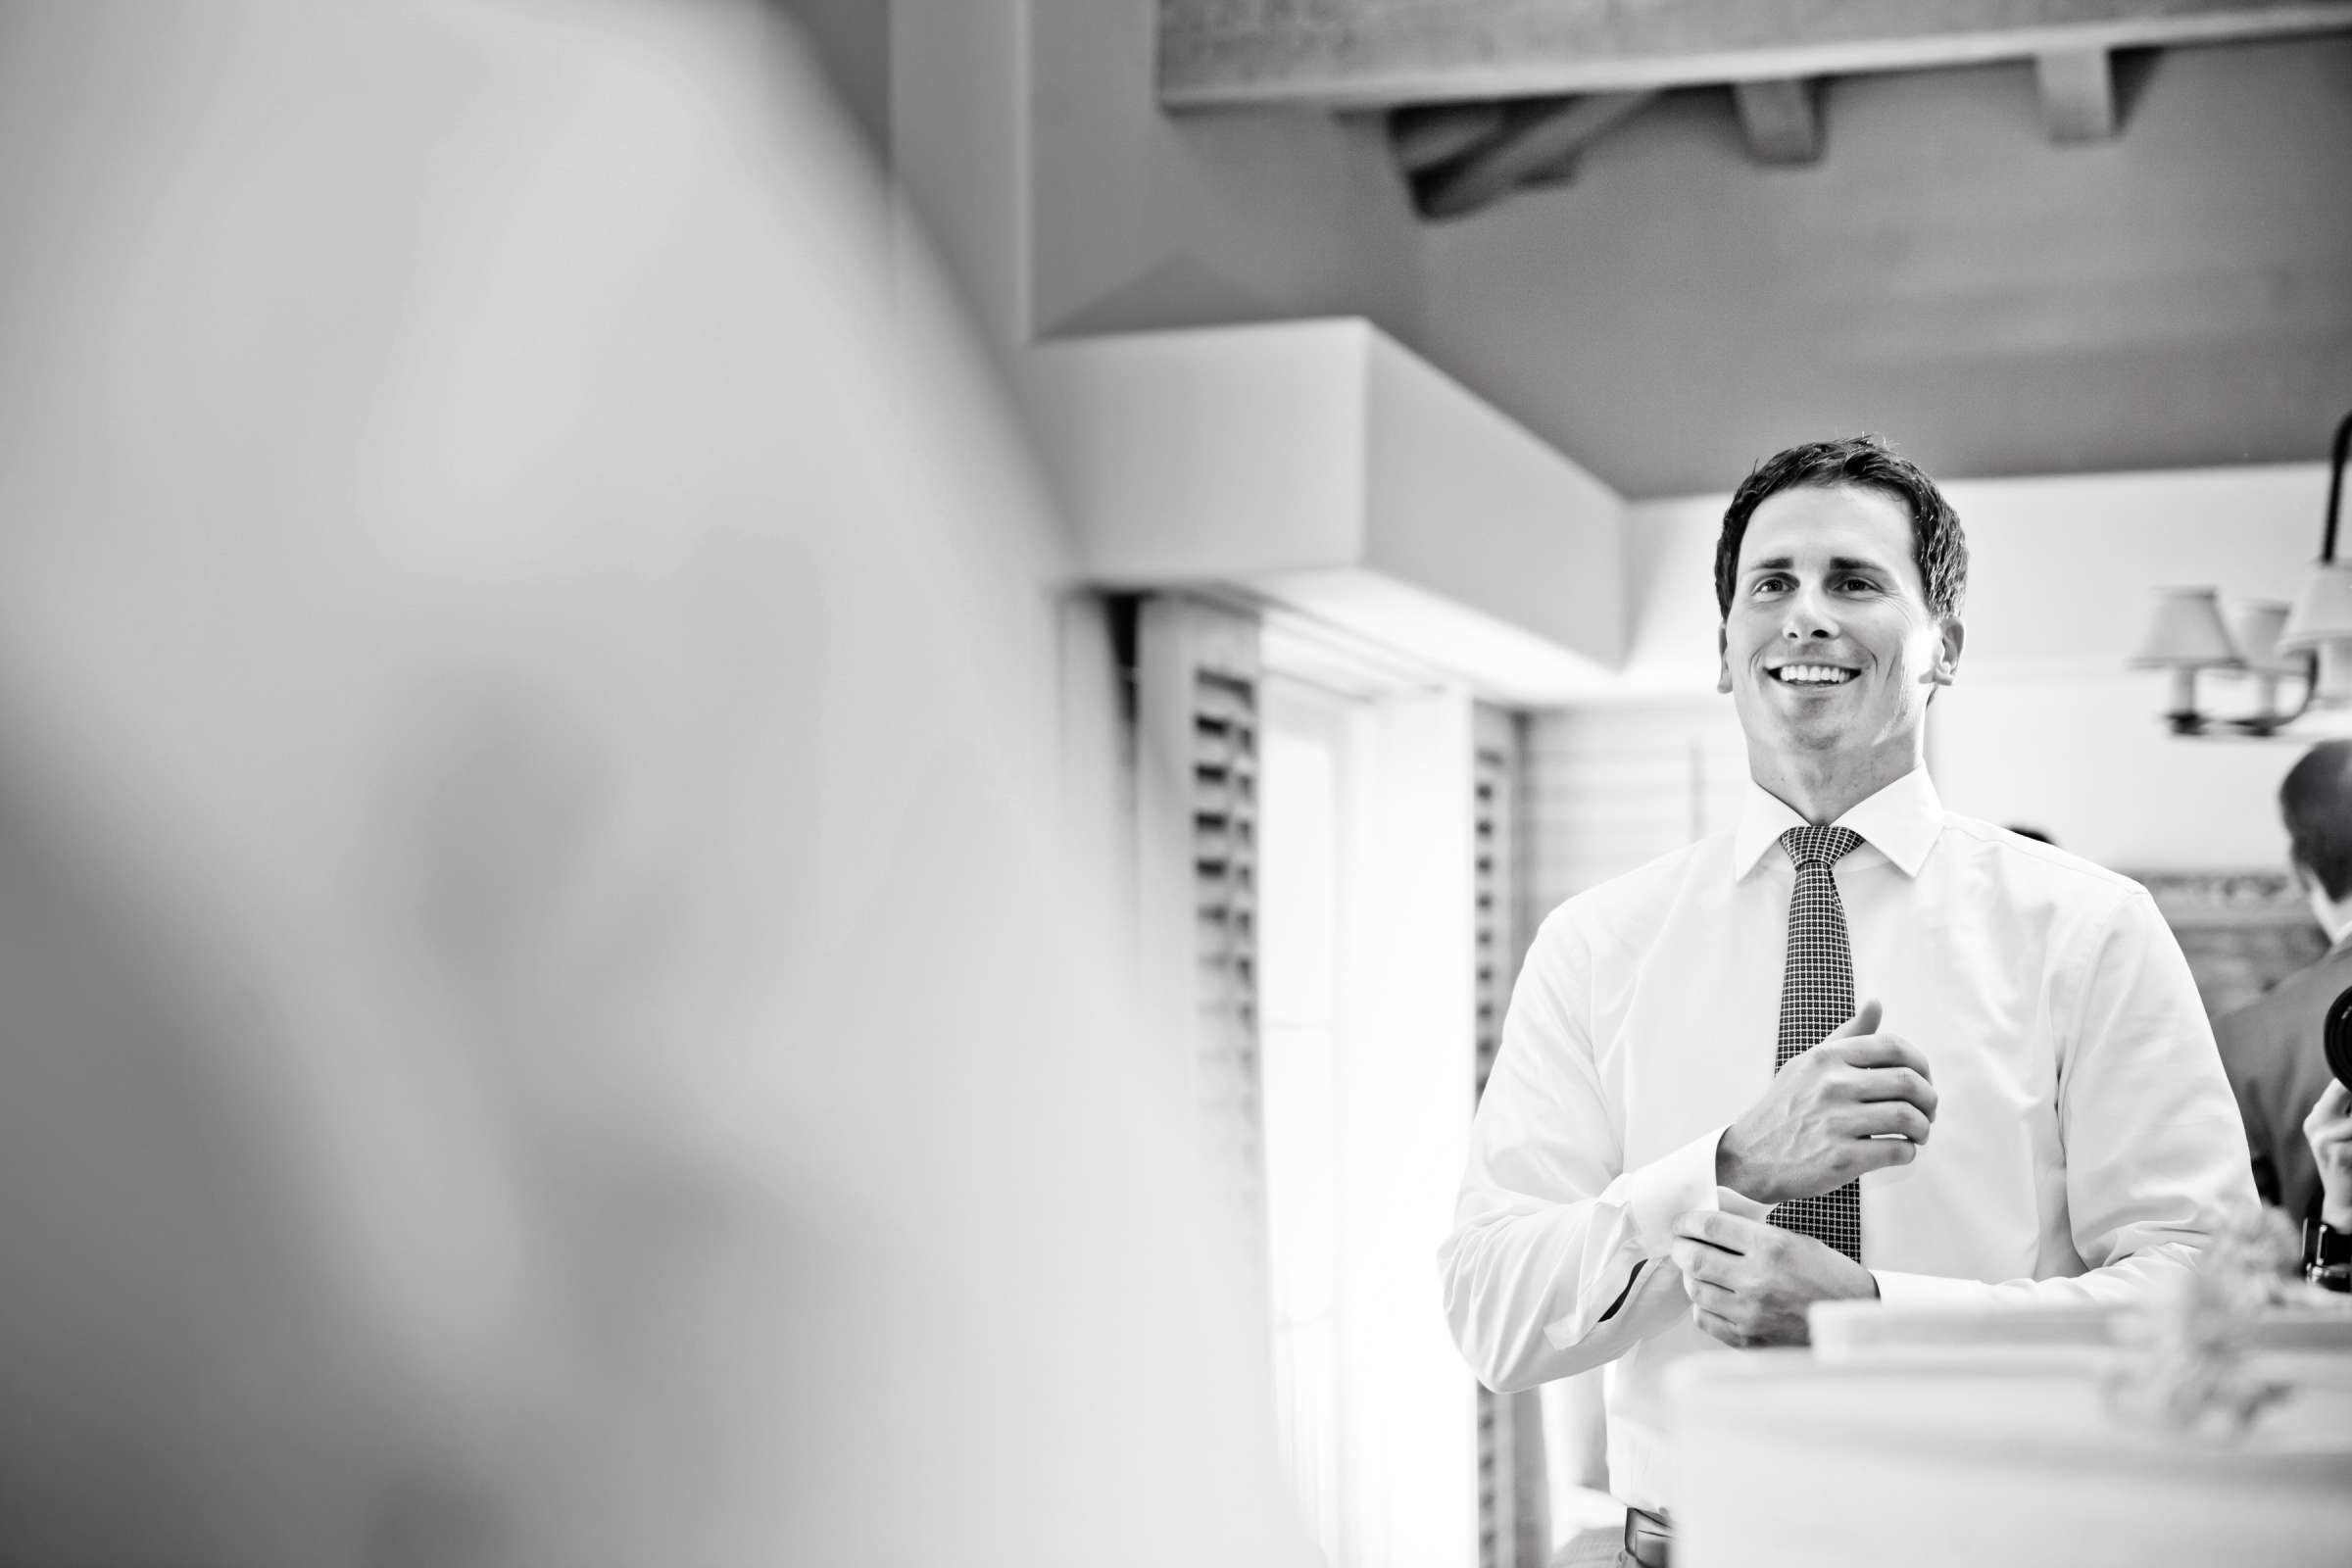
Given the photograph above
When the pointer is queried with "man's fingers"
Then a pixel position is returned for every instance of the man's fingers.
(1898, 1083)
(2335, 1100)
(1712, 1294)
(1865, 1021)
(1877, 1154)
(1879, 1118)
(1883, 1051)
(1709, 1274)
(1698, 1260)
(1717, 1229)
(1716, 1325)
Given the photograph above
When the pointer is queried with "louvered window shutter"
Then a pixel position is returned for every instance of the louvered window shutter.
(1609, 789)
(1197, 678)
(1513, 1528)
(1493, 783)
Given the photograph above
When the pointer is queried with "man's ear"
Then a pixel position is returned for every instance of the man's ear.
(1723, 659)
(1950, 636)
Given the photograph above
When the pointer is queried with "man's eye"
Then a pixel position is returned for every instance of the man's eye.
(1771, 584)
(1858, 585)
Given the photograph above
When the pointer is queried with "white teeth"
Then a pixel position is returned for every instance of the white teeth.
(1814, 674)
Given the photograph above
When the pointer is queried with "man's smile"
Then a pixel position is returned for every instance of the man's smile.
(1816, 677)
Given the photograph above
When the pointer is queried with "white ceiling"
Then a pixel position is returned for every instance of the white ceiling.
(1999, 303)
(2177, 296)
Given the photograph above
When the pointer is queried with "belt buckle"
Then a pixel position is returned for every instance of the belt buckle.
(1649, 1538)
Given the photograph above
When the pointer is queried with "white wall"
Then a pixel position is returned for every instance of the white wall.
(1464, 501)
(2046, 728)
(1144, 219)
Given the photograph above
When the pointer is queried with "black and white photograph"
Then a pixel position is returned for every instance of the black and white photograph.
(1175, 783)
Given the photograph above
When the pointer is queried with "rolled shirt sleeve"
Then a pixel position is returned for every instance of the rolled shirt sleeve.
(1557, 1261)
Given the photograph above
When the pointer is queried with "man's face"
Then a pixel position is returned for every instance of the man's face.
(1830, 647)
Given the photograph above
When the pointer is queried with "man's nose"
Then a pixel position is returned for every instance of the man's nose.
(1809, 616)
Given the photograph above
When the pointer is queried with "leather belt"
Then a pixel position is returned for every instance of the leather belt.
(1649, 1538)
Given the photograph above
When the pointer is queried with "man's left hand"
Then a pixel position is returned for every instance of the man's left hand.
(1749, 1283)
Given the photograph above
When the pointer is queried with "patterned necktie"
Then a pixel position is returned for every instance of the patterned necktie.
(1817, 995)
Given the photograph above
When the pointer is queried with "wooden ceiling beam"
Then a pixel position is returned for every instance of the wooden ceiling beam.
(1359, 54)
(2077, 95)
(1539, 141)
(1780, 120)
(1423, 137)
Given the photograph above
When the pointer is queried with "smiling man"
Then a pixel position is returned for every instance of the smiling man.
(1692, 1132)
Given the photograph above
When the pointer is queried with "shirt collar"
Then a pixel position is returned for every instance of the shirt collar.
(1899, 821)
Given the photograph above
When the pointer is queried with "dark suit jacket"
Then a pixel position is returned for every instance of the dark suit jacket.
(2274, 1058)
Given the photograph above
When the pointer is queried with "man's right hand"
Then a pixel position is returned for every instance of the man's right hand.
(1819, 1125)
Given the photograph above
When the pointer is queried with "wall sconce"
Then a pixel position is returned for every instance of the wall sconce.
(2184, 636)
(2311, 641)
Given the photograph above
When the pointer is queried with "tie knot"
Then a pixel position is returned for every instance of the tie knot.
(1818, 846)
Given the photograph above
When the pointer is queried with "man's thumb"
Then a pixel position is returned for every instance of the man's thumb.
(1865, 1021)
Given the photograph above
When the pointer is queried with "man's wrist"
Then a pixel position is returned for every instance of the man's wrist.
(1729, 1169)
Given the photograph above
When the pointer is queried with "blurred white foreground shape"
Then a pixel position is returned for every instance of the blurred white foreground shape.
(542, 1022)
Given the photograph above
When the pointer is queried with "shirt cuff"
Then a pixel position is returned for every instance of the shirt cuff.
(1928, 1290)
(1677, 1183)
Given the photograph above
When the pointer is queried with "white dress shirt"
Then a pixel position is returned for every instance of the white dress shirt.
(2085, 1143)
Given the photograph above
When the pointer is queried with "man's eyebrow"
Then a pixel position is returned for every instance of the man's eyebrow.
(1836, 563)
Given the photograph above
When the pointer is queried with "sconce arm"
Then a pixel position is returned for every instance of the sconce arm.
(2336, 484)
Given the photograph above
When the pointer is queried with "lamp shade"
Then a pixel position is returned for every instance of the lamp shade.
(2186, 633)
(2322, 610)
(2254, 628)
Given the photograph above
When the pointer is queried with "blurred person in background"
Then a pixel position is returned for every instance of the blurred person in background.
(545, 1024)
(1693, 1133)
(2298, 1132)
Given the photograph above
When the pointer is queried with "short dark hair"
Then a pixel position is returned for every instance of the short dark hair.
(1937, 542)
(2316, 799)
